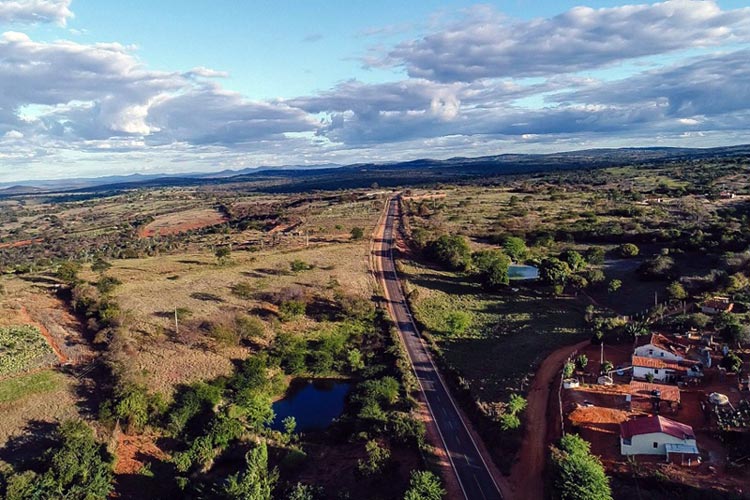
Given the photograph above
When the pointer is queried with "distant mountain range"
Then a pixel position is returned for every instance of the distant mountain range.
(333, 176)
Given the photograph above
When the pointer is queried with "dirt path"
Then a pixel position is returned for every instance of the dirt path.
(45, 333)
(527, 474)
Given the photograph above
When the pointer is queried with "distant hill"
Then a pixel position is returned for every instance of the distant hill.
(420, 171)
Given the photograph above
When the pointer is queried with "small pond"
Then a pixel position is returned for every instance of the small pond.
(522, 272)
(315, 403)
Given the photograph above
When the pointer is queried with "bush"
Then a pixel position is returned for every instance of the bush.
(509, 421)
(377, 458)
(298, 265)
(291, 309)
(574, 259)
(595, 255)
(614, 285)
(424, 485)
(457, 322)
(249, 327)
(357, 233)
(628, 250)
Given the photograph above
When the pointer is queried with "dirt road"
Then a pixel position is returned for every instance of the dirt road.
(527, 474)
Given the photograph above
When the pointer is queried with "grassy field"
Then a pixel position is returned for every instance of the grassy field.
(22, 348)
(34, 383)
(510, 332)
(40, 397)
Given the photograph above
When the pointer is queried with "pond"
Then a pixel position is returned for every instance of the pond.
(314, 403)
(522, 272)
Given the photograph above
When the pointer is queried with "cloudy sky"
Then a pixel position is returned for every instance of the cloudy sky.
(100, 87)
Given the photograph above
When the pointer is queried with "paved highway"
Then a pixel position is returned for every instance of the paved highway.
(471, 470)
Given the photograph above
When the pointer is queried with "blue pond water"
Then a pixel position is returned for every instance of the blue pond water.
(313, 403)
(521, 272)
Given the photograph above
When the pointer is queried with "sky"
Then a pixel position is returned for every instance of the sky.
(104, 87)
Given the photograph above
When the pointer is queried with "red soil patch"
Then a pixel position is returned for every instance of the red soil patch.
(133, 452)
(26, 317)
(22, 243)
(181, 222)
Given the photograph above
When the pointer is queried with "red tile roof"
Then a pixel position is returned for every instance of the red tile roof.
(656, 363)
(654, 424)
(719, 303)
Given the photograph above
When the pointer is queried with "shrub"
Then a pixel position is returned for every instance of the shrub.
(424, 485)
(298, 265)
(249, 327)
(614, 285)
(291, 309)
(509, 421)
(377, 457)
(357, 233)
(457, 322)
(515, 248)
(628, 250)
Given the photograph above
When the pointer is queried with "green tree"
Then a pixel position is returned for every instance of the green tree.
(628, 250)
(676, 291)
(424, 485)
(357, 233)
(76, 467)
(553, 271)
(581, 361)
(575, 260)
(515, 248)
(568, 369)
(614, 285)
(451, 251)
(578, 475)
(516, 404)
(256, 482)
(492, 268)
(509, 421)
(732, 362)
(595, 255)
(607, 367)
(222, 255)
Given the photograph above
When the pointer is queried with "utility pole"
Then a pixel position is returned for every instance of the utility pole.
(601, 355)
(176, 325)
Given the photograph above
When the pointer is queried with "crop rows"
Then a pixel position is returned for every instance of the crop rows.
(22, 348)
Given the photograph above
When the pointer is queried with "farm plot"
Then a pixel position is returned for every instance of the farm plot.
(181, 222)
(23, 348)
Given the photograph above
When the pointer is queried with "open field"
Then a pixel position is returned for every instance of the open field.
(510, 333)
(41, 397)
(181, 222)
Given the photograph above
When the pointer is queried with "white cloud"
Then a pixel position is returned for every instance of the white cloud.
(35, 11)
(491, 45)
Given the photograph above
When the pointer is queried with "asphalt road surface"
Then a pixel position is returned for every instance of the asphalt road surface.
(473, 475)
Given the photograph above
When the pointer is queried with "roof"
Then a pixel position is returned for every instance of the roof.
(655, 424)
(718, 303)
(645, 390)
(656, 363)
(685, 449)
(664, 343)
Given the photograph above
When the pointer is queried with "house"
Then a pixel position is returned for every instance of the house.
(657, 435)
(648, 397)
(664, 370)
(717, 305)
(661, 347)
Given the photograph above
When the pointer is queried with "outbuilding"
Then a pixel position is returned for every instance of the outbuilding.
(657, 435)
(660, 347)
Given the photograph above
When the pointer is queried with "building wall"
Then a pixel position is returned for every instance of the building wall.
(650, 351)
(643, 444)
(659, 374)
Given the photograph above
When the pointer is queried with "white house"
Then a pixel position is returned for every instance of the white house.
(664, 370)
(660, 347)
(657, 435)
(717, 305)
